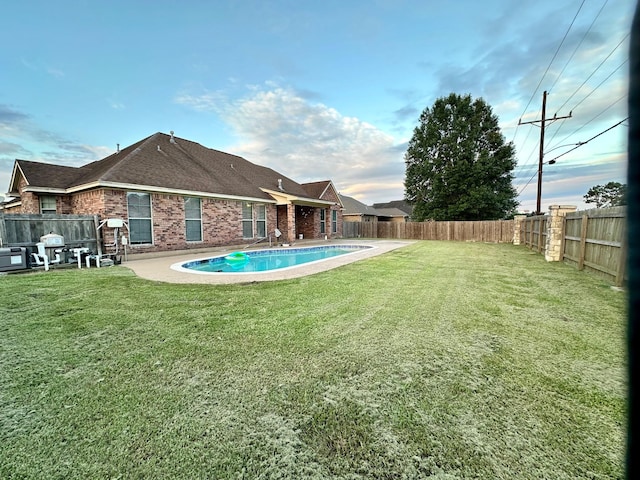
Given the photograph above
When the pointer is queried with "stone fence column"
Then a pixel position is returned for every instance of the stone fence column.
(517, 223)
(554, 231)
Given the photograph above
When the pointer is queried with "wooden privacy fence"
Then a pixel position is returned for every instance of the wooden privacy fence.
(533, 232)
(498, 231)
(592, 240)
(596, 240)
(23, 230)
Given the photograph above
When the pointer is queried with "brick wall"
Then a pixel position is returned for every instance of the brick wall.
(221, 219)
(87, 203)
(30, 201)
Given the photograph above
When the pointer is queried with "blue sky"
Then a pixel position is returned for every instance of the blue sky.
(316, 89)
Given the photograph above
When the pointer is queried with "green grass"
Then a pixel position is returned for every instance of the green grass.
(438, 360)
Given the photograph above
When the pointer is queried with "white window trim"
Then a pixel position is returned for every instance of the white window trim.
(55, 202)
(248, 220)
(259, 220)
(323, 221)
(193, 220)
(141, 218)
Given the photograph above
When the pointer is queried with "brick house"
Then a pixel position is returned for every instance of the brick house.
(175, 194)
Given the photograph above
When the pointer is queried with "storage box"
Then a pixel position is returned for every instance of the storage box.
(14, 258)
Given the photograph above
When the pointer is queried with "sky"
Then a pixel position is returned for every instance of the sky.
(318, 90)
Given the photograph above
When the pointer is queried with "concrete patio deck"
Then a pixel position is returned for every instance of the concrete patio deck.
(158, 268)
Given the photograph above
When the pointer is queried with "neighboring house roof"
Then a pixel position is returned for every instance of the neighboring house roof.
(354, 207)
(165, 163)
(399, 204)
(391, 212)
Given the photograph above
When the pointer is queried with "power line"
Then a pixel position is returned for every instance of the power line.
(579, 44)
(580, 144)
(525, 164)
(557, 130)
(603, 111)
(527, 184)
(600, 84)
(577, 145)
(593, 73)
(559, 127)
(524, 143)
(548, 67)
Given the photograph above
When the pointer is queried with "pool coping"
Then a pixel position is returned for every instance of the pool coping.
(159, 268)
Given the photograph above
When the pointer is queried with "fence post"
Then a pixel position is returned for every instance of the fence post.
(541, 220)
(622, 260)
(3, 231)
(532, 224)
(583, 241)
(96, 223)
(555, 231)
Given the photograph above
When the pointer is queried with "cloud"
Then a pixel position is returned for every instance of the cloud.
(204, 102)
(282, 129)
(55, 72)
(13, 149)
(9, 115)
(24, 139)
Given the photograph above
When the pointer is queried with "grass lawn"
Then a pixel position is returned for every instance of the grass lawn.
(438, 360)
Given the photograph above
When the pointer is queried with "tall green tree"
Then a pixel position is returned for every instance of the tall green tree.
(612, 194)
(458, 166)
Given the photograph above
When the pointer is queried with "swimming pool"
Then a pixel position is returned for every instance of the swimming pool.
(266, 260)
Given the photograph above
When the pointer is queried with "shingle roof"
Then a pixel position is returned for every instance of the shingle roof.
(391, 212)
(40, 174)
(167, 162)
(354, 207)
(399, 204)
(316, 189)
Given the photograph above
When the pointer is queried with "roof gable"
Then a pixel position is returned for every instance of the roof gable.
(39, 174)
(324, 190)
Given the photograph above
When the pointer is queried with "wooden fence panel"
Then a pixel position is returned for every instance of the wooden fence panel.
(533, 233)
(595, 240)
(499, 231)
(23, 230)
(572, 242)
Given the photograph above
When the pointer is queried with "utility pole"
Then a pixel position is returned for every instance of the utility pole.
(542, 121)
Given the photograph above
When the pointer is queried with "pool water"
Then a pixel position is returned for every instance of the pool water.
(267, 260)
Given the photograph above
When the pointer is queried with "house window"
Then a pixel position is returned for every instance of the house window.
(247, 220)
(139, 207)
(334, 221)
(48, 204)
(251, 225)
(323, 220)
(193, 219)
(261, 221)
